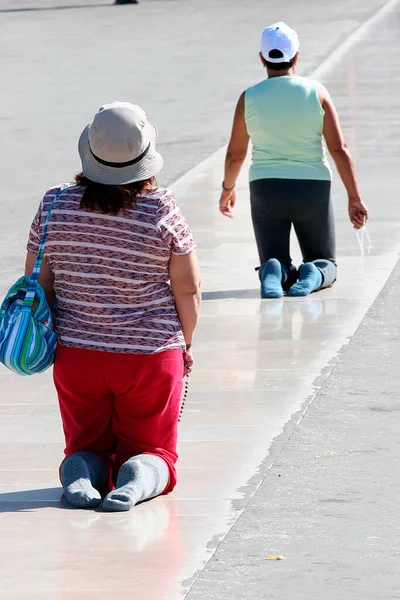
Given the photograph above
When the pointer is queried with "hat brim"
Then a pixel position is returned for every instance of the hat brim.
(147, 167)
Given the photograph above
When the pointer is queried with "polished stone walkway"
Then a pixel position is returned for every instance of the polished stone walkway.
(258, 363)
(329, 499)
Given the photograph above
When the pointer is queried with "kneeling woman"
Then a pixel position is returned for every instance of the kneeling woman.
(120, 264)
(286, 116)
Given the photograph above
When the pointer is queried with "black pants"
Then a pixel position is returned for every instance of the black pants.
(277, 204)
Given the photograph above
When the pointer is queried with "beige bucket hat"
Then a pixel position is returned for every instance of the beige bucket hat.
(119, 145)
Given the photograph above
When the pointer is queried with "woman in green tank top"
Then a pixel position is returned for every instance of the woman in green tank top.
(286, 118)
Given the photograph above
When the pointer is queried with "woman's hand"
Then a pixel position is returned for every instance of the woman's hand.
(227, 202)
(188, 362)
(358, 212)
(235, 156)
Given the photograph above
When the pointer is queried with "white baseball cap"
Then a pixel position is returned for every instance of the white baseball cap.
(118, 146)
(279, 36)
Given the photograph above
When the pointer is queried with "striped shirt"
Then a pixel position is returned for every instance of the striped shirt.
(111, 272)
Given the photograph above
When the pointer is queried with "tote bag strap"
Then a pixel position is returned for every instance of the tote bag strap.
(33, 281)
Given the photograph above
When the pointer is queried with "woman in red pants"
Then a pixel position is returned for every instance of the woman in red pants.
(120, 264)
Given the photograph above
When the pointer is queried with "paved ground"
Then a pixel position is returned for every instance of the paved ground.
(329, 502)
(185, 62)
(258, 362)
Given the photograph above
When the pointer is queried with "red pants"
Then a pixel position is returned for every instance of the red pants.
(120, 405)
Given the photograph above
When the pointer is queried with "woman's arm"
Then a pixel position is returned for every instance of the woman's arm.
(184, 276)
(46, 277)
(340, 153)
(235, 156)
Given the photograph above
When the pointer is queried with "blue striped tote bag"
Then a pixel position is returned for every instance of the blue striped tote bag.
(27, 337)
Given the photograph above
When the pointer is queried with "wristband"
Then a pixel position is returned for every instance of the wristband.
(188, 346)
(227, 189)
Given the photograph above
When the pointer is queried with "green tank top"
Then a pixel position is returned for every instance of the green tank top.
(284, 119)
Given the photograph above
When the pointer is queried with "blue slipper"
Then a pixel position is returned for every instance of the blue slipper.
(310, 280)
(271, 279)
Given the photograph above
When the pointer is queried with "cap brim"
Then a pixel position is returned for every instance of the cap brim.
(150, 165)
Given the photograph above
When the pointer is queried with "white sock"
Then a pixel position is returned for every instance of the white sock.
(141, 477)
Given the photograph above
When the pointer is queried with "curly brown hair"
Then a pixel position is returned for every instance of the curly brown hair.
(111, 199)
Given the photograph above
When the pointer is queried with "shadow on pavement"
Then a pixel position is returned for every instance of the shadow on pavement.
(27, 500)
(225, 294)
(49, 8)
